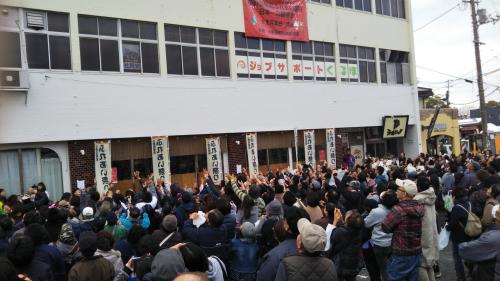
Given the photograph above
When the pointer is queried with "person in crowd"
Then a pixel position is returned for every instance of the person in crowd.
(404, 220)
(229, 222)
(67, 245)
(352, 195)
(470, 175)
(243, 256)
(309, 264)
(21, 253)
(456, 224)
(348, 160)
(133, 217)
(90, 267)
(253, 193)
(128, 247)
(429, 239)
(105, 242)
(208, 235)
(248, 211)
(485, 248)
(346, 242)
(167, 235)
(313, 199)
(187, 207)
(264, 228)
(380, 240)
(493, 194)
(112, 226)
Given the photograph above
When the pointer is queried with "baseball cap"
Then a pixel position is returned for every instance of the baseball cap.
(313, 236)
(408, 186)
(274, 208)
(88, 212)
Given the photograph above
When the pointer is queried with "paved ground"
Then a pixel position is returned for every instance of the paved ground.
(445, 260)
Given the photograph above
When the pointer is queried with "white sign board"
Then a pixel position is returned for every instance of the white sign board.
(253, 159)
(309, 148)
(214, 159)
(102, 165)
(161, 158)
(331, 155)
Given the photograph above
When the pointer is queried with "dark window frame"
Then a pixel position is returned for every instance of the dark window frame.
(387, 7)
(315, 58)
(359, 55)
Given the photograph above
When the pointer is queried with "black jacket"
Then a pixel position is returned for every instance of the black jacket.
(346, 250)
(457, 221)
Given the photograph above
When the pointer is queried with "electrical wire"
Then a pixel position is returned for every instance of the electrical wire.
(489, 94)
(436, 18)
(454, 76)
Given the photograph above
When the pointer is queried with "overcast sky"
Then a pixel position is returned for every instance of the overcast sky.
(446, 46)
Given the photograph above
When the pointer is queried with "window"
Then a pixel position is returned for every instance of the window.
(394, 67)
(10, 52)
(313, 61)
(101, 39)
(357, 64)
(361, 5)
(260, 58)
(393, 8)
(196, 51)
(47, 40)
(321, 1)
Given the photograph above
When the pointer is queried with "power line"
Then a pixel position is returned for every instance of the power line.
(491, 93)
(438, 17)
(454, 76)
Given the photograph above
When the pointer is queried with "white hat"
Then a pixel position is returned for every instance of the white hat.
(313, 236)
(408, 185)
(88, 212)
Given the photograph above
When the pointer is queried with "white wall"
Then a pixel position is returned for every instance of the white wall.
(85, 106)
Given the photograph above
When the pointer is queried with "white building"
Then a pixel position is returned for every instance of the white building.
(127, 70)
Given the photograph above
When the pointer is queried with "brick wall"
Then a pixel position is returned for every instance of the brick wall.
(81, 167)
(236, 152)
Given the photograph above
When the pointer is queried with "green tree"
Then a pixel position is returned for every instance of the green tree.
(433, 102)
(492, 104)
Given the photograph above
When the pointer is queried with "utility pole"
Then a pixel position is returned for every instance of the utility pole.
(482, 104)
(448, 95)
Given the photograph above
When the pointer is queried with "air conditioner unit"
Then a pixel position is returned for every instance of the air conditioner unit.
(14, 80)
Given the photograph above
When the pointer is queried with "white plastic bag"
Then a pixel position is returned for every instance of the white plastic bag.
(448, 201)
(444, 238)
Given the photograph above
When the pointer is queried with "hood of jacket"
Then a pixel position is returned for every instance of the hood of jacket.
(215, 271)
(426, 197)
(412, 208)
(111, 254)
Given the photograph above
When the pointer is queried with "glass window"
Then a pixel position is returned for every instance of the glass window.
(394, 8)
(278, 155)
(37, 50)
(357, 64)
(144, 166)
(182, 51)
(262, 154)
(59, 55)
(123, 169)
(87, 25)
(109, 55)
(108, 27)
(10, 52)
(321, 1)
(313, 61)
(89, 54)
(148, 30)
(394, 67)
(149, 58)
(131, 56)
(58, 22)
(182, 164)
(130, 28)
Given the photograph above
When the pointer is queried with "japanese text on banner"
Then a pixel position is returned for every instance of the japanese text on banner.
(309, 148)
(102, 165)
(214, 159)
(161, 158)
(331, 156)
(253, 159)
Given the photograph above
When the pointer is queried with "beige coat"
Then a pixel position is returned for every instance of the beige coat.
(430, 246)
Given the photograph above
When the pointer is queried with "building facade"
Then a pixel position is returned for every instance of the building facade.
(128, 70)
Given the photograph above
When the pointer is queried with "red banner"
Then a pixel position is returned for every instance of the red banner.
(276, 19)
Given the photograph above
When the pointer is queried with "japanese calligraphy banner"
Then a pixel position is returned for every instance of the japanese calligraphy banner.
(253, 159)
(309, 148)
(102, 165)
(214, 159)
(331, 155)
(276, 19)
(161, 158)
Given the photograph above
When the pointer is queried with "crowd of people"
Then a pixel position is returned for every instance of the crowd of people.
(308, 223)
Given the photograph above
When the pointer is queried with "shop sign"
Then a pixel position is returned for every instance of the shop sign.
(161, 158)
(349, 71)
(440, 127)
(256, 65)
(252, 153)
(284, 20)
(214, 159)
(331, 154)
(103, 171)
(395, 126)
(309, 148)
(358, 153)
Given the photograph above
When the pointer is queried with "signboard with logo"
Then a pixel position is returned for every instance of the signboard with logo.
(214, 159)
(358, 153)
(253, 158)
(284, 20)
(161, 158)
(309, 148)
(331, 154)
(256, 65)
(395, 126)
(103, 171)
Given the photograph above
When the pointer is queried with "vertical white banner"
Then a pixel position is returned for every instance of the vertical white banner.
(252, 153)
(214, 159)
(161, 158)
(331, 155)
(309, 148)
(102, 165)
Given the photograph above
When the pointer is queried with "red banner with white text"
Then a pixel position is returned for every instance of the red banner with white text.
(276, 19)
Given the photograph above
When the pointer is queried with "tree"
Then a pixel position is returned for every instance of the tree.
(492, 104)
(433, 102)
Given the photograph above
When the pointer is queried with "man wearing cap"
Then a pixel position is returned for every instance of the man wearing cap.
(309, 264)
(485, 248)
(404, 220)
(90, 267)
(167, 236)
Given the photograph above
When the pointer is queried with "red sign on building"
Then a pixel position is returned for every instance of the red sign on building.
(276, 19)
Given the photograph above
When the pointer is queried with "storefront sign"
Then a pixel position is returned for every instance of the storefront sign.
(276, 19)
(309, 148)
(102, 165)
(331, 154)
(395, 126)
(308, 68)
(214, 159)
(349, 71)
(161, 158)
(256, 65)
(253, 159)
(440, 127)
(358, 153)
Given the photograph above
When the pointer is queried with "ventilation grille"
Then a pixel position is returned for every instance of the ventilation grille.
(35, 20)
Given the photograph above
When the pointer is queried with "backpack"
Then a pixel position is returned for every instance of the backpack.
(473, 227)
